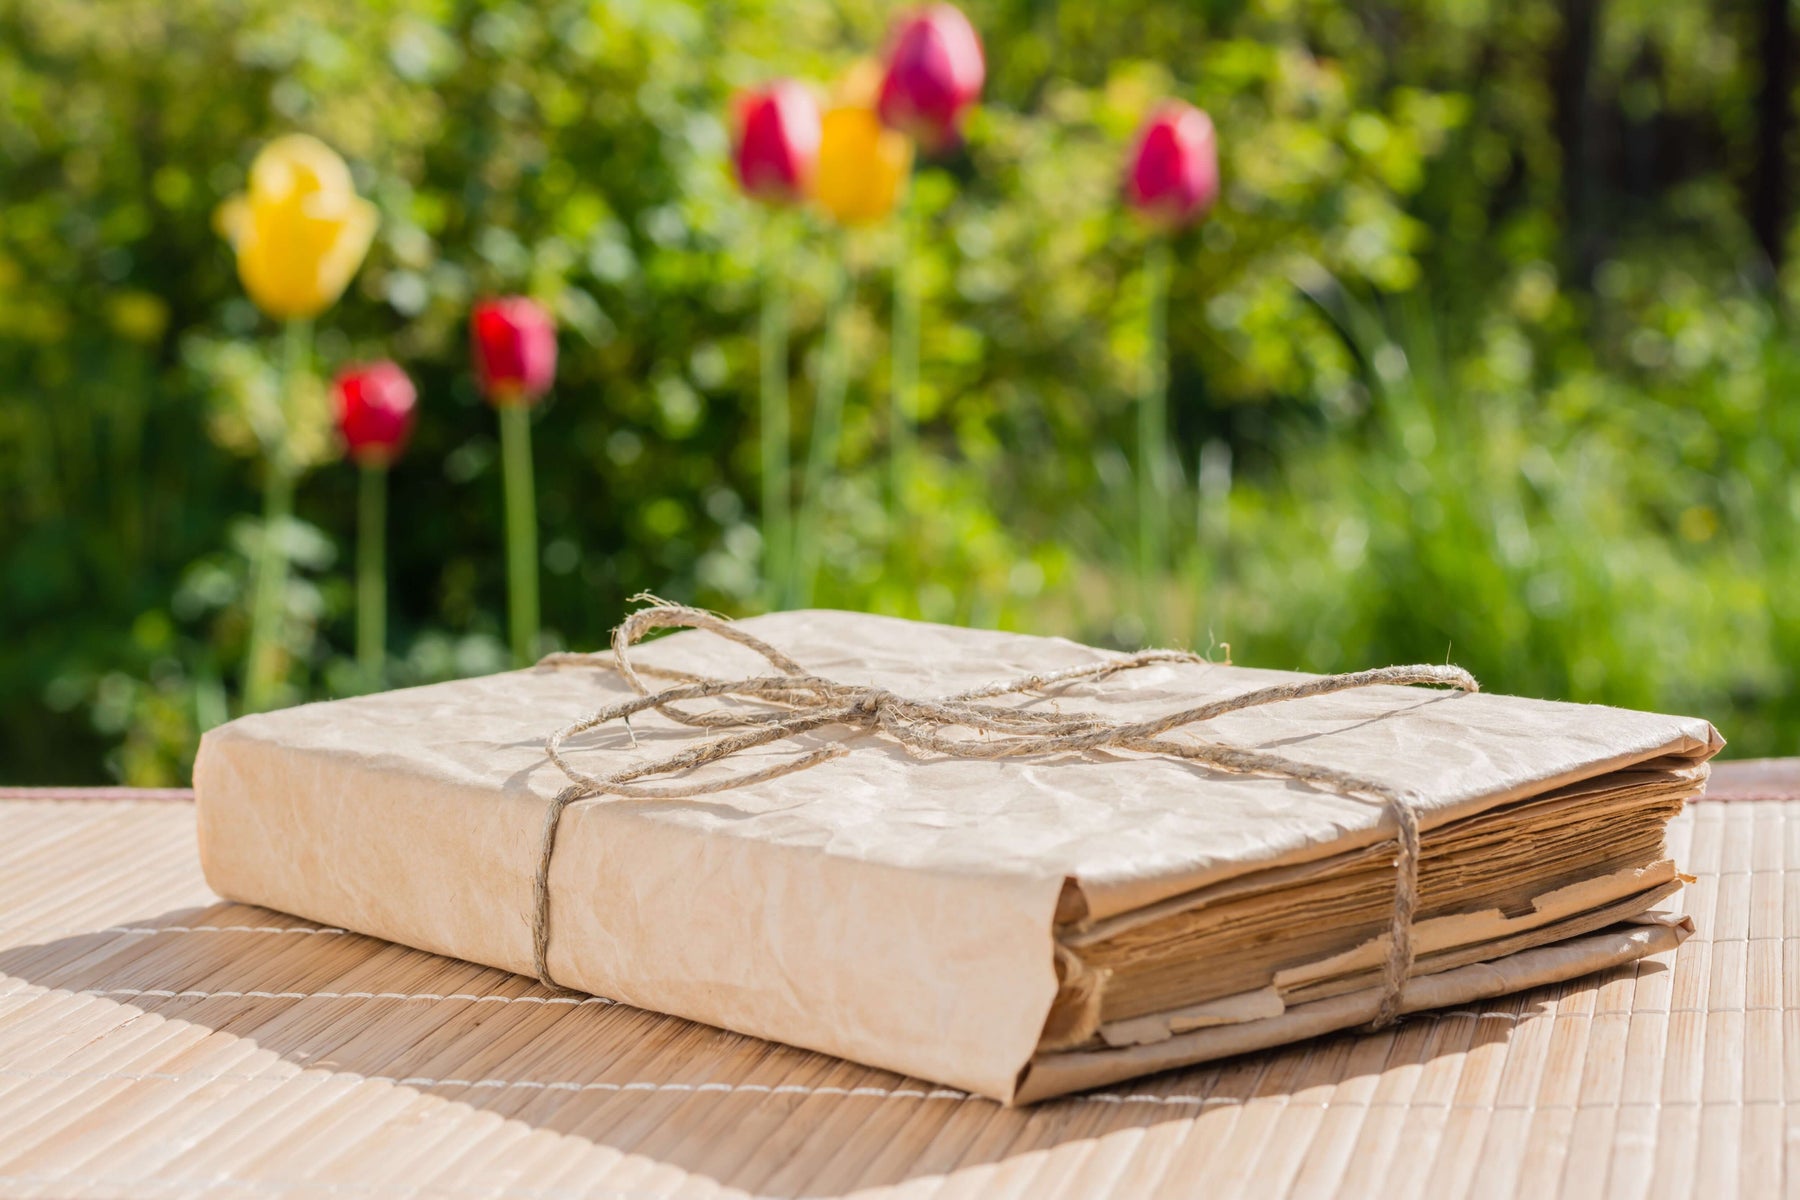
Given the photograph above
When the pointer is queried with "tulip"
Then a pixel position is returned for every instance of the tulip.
(935, 70)
(862, 166)
(862, 172)
(300, 230)
(375, 414)
(776, 152)
(1172, 179)
(514, 344)
(1173, 175)
(934, 74)
(777, 142)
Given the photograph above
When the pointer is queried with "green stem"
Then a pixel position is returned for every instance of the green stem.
(1153, 436)
(772, 424)
(371, 572)
(828, 421)
(904, 368)
(265, 664)
(521, 530)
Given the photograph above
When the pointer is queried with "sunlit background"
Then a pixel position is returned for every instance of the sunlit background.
(1481, 354)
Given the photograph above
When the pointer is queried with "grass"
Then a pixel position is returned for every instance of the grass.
(1571, 531)
(1590, 537)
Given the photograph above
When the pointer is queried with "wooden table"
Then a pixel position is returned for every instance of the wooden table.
(156, 1042)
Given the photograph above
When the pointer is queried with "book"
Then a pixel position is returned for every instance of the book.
(1017, 927)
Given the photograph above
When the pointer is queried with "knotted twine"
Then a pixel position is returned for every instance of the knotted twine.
(796, 701)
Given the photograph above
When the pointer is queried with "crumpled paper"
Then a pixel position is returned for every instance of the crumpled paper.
(885, 908)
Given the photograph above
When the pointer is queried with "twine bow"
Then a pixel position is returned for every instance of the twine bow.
(796, 701)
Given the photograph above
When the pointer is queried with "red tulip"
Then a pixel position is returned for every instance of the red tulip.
(777, 142)
(934, 73)
(375, 411)
(1173, 177)
(515, 349)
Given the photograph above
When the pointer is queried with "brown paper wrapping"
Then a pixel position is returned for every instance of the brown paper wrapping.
(883, 908)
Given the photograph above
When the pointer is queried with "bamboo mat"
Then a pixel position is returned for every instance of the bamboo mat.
(156, 1042)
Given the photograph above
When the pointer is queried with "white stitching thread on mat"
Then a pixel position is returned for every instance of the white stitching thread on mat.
(13, 931)
(639, 1085)
(197, 1185)
(793, 1089)
(578, 1001)
(196, 994)
(219, 929)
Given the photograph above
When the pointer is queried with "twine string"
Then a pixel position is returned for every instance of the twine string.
(774, 708)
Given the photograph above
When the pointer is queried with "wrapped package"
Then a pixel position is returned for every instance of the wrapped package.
(862, 850)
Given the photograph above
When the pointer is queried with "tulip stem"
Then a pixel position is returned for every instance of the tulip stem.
(828, 420)
(371, 573)
(1153, 435)
(772, 418)
(521, 529)
(265, 663)
(904, 374)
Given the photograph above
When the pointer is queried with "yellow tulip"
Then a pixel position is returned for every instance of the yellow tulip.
(862, 166)
(300, 231)
(860, 84)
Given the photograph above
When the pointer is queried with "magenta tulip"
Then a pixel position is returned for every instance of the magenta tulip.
(375, 412)
(777, 142)
(515, 361)
(1173, 174)
(515, 350)
(935, 70)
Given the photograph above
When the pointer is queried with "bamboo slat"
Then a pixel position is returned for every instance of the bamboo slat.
(155, 1042)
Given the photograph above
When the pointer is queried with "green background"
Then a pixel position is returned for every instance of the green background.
(1482, 356)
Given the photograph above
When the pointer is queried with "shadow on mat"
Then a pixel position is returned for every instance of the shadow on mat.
(748, 1114)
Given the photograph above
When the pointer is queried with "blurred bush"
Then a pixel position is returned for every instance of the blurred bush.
(1436, 393)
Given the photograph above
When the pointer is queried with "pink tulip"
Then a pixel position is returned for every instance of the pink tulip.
(934, 74)
(1173, 176)
(515, 349)
(777, 142)
(375, 411)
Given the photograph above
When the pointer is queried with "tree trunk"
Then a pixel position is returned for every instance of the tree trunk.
(1571, 76)
(1774, 121)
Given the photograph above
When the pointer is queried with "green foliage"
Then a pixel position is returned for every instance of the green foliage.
(1405, 434)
